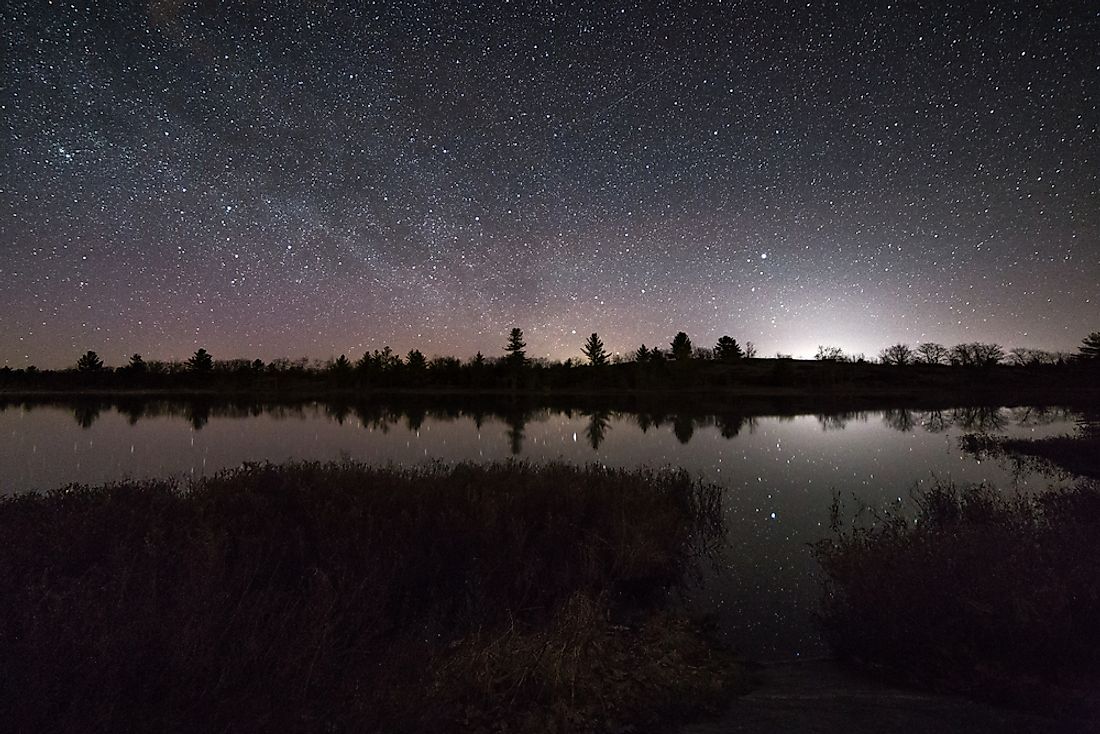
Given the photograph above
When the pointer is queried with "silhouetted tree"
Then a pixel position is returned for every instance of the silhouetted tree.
(750, 350)
(1028, 357)
(681, 347)
(898, 355)
(415, 361)
(137, 364)
(829, 354)
(516, 357)
(89, 362)
(641, 354)
(1090, 347)
(932, 353)
(200, 361)
(976, 354)
(593, 349)
(341, 365)
(478, 360)
(728, 350)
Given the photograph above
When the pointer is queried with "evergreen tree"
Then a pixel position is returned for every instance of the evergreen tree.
(200, 361)
(593, 349)
(1090, 346)
(341, 365)
(642, 355)
(728, 350)
(137, 364)
(681, 347)
(89, 362)
(416, 361)
(514, 348)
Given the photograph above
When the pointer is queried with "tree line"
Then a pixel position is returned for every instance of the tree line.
(726, 349)
(513, 368)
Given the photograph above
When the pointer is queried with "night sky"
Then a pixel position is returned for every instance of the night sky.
(270, 179)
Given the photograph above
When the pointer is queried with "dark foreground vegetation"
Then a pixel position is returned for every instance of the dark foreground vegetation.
(340, 597)
(993, 595)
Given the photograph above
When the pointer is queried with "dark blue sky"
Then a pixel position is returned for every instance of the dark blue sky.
(309, 178)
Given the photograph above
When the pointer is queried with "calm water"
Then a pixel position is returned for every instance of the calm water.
(779, 472)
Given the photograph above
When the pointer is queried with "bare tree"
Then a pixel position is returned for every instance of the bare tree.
(898, 355)
(932, 353)
(1027, 357)
(830, 354)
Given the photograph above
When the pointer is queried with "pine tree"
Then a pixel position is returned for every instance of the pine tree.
(728, 350)
(416, 361)
(514, 348)
(89, 362)
(681, 347)
(137, 364)
(1090, 346)
(593, 349)
(200, 361)
(642, 354)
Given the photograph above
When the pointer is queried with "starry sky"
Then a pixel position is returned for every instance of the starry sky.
(269, 179)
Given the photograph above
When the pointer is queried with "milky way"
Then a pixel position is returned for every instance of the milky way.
(310, 178)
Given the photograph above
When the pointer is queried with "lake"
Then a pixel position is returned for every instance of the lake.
(779, 471)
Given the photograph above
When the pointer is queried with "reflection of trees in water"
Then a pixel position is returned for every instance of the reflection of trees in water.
(338, 412)
(683, 427)
(730, 425)
(199, 415)
(133, 412)
(979, 418)
(86, 414)
(1038, 415)
(839, 421)
(517, 426)
(899, 419)
(935, 421)
(384, 417)
(415, 418)
(599, 423)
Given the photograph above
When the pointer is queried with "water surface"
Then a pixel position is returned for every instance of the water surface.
(779, 472)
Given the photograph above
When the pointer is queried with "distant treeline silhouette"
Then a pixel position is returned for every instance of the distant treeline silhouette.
(681, 365)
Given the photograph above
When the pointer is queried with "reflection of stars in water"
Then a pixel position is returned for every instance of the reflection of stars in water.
(296, 178)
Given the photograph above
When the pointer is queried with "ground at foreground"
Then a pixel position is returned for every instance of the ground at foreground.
(822, 697)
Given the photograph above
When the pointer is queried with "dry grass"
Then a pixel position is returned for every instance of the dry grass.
(341, 597)
(990, 594)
